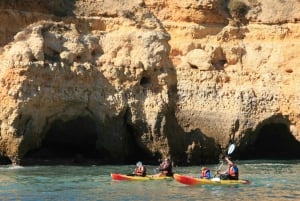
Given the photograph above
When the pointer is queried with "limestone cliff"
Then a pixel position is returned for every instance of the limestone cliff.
(127, 80)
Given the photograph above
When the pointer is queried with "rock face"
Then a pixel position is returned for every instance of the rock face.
(123, 81)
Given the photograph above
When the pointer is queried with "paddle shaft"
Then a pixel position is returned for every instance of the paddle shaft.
(219, 168)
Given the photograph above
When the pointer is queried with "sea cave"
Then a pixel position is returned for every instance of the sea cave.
(272, 141)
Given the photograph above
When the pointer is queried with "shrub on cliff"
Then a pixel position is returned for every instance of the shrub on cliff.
(237, 9)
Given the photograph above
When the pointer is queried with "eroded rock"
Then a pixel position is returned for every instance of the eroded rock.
(147, 79)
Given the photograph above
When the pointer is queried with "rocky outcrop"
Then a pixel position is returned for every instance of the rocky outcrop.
(114, 70)
(247, 76)
(147, 79)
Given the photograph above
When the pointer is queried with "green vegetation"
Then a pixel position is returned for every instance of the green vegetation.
(237, 9)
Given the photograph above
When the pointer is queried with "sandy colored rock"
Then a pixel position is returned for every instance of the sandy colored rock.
(199, 59)
(159, 78)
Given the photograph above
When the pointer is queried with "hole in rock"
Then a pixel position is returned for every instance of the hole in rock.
(69, 142)
(137, 152)
(4, 160)
(273, 141)
(219, 60)
(145, 81)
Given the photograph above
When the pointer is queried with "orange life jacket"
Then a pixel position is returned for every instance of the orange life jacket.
(233, 171)
(204, 173)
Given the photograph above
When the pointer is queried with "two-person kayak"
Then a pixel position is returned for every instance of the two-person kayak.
(123, 177)
(184, 179)
(189, 180)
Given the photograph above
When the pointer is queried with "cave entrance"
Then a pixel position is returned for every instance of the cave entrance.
(73, 141)
(273, 141)
(137, 151)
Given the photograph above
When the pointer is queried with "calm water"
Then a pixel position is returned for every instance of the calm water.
(271, 180)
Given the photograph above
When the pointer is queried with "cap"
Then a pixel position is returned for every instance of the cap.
(139, 164)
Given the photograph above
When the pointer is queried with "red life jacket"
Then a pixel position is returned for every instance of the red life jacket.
(140, 171)
(166, 168)
(165, 165)
(233, 171)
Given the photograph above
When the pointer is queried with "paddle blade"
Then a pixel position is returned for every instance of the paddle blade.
(231, 149)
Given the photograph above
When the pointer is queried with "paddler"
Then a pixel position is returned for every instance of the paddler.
(232, 172)
(205, 173)
(166, 168)
(140, 170)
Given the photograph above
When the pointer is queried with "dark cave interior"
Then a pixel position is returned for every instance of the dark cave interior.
(273, 141)
(73, 140)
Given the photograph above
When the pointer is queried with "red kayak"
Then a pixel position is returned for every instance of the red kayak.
(189, 180)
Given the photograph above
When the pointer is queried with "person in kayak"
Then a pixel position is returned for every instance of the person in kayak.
(140, 170)
(232, 173)
(205, 173)
(166, 168)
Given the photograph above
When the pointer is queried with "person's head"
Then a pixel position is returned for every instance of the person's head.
(204, 168)
(139, 164)
(167, 160)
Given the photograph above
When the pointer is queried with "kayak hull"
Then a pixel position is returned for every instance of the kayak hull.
(123, 177)
(189, 180)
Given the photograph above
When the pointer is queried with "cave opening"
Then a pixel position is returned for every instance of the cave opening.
(72, 141)
(273, 141)
(4, 160)
(138, 151)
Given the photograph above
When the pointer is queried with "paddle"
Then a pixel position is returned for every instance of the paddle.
(230, 150)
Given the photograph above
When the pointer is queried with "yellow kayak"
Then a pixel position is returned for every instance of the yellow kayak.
(123, 177)
(189, 180)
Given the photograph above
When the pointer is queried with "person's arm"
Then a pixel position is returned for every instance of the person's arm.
(229, 161)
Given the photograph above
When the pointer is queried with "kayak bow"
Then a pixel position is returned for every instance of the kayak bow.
(189, 180)
(123, 177)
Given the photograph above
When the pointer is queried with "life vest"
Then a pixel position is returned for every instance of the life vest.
(204, 173)
(166, 169)
(140, 170)
(165, 165)
(233, 171)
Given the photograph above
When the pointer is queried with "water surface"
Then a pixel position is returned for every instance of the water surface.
(270, 180)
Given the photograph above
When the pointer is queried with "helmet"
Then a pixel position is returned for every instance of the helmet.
(139, 164)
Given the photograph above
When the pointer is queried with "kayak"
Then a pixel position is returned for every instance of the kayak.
(189, 180)
(122, 177)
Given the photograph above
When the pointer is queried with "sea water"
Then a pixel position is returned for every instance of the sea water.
(270, 180)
